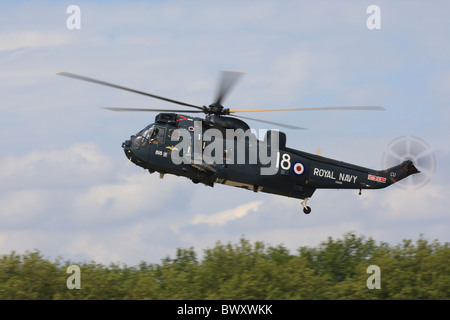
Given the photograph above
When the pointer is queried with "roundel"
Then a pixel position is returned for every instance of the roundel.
(298, 168)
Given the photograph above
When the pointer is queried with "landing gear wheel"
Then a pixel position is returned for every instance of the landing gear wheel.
(306, 209)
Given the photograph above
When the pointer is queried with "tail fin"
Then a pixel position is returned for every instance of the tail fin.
(399, 172)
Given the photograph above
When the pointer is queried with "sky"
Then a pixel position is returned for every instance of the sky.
(66, 188)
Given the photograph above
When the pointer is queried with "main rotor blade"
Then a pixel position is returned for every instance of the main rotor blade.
(274, 123)
(227, 81)
(75, 76)
(313, 108)
(146, 110)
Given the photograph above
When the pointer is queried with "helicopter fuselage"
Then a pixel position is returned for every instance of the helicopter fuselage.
(289, 172)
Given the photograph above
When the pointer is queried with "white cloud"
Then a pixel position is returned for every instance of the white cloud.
(290, 73)
(23, 207)
(80, 163)
(33, 185)
(130, 196)
(426, 204)
(128, 243)
(93, 247)
(31, 39)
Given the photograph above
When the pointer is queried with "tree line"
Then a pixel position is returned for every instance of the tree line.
(335, 269)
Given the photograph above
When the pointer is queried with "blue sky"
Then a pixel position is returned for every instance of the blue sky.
(65, 187)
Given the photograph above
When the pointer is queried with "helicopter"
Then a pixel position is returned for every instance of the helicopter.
(220, 148)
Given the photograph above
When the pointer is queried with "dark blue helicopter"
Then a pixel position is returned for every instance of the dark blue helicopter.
(223, 149)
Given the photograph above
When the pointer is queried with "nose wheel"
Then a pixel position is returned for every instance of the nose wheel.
(306, 209)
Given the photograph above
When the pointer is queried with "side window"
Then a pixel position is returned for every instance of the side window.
(160, 136)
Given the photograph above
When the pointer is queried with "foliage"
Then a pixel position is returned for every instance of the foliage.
(336, 269)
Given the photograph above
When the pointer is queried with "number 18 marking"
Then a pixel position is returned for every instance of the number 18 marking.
(285, 162)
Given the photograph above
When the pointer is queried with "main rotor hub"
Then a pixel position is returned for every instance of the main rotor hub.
(216, 108)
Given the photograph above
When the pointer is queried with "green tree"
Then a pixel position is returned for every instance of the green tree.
(29, 276)
(339, 258)
(335, 269)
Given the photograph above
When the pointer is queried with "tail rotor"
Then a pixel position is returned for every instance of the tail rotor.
(419, 152)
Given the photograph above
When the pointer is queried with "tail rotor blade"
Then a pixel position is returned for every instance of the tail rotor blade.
(414, 149)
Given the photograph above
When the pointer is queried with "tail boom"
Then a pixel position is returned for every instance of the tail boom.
(347, 176)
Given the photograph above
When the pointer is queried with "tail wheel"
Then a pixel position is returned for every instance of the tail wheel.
(306, 209)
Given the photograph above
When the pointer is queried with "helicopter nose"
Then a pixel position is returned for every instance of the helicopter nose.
(126, 148)
(134, 153)
(126, 144)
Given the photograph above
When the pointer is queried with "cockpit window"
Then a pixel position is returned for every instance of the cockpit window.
(152, 133)
(149, 134)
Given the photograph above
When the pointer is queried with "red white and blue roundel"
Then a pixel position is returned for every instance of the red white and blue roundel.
(298, 168)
